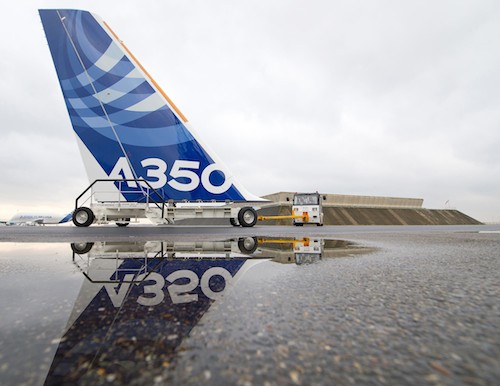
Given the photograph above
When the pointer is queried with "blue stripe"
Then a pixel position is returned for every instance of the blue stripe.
(68, 217)
(143, 134)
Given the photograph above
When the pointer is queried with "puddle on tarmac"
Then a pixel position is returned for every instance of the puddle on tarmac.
(116, 311)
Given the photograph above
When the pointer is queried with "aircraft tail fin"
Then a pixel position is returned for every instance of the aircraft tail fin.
(66, 218)
(126, 126)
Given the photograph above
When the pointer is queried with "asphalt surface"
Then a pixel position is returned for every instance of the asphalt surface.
(424, 309)
(419, 306)
(146, 232)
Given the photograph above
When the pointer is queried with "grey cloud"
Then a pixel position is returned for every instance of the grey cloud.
(387, 97)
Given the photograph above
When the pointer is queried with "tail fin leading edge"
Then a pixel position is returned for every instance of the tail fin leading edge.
(126, 126)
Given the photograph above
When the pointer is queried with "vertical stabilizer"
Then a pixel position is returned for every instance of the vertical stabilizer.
(126, 126)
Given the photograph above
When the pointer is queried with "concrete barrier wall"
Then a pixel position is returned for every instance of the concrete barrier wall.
(341, 209)
(377, 216)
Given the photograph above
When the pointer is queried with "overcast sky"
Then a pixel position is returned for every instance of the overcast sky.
(391, 98)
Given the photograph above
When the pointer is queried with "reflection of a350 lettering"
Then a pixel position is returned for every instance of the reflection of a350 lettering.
(184, 175)
(179, 293)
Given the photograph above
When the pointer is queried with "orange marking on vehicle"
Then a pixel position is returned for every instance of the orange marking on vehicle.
(183, 118)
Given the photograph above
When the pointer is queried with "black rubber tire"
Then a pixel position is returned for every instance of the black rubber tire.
(83, 217)
(298, 224)
(247, 217)
(247, 245)
(234, 222)
(123, 223)
(81, 248)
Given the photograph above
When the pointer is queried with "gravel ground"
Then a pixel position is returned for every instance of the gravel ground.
(421, 307)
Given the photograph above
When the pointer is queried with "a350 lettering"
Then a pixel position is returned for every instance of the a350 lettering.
(184, 175)
(154, 286)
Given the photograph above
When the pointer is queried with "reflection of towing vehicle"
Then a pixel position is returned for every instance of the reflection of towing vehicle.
(304, 250)
(307, 208)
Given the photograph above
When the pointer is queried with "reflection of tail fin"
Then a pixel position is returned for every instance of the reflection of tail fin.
(108, 317)
(125, 124)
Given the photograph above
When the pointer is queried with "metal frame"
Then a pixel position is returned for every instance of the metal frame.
(147, 195)
(153, 206)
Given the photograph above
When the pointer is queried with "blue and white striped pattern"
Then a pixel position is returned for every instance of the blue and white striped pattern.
(104, 89)
(117, 110)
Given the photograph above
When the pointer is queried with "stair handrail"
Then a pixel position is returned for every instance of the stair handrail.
(160, 204)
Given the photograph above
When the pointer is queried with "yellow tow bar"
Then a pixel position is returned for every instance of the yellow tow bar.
(304, 241)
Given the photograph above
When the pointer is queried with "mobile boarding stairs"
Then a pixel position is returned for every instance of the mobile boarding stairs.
(104, 201)
(150, 204)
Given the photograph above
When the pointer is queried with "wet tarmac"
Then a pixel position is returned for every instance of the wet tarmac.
(359, 306)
